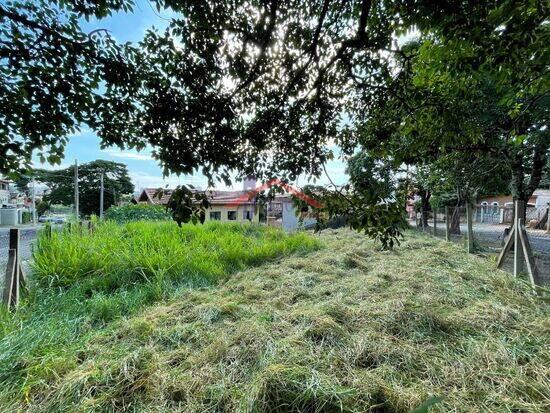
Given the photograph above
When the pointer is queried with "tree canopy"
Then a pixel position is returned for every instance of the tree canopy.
(265, 87)
(60, 184)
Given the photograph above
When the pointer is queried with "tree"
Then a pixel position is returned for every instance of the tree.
(50, 73)
(261, 87)
(61, 184)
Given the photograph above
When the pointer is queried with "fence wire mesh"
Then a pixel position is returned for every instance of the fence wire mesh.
(490, 228)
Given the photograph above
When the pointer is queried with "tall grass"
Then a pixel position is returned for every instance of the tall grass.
(122, 255)
(80, 282)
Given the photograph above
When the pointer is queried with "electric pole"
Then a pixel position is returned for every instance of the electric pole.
(76, 206)
(101, 197)
(33, 202)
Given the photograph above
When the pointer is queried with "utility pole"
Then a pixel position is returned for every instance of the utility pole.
(101, 197)
(33, 202)
(76, 206)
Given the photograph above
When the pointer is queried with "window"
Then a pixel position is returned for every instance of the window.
(232, 215)
(215, 216)
(248, 215)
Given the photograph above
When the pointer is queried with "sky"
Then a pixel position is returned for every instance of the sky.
(145, 172)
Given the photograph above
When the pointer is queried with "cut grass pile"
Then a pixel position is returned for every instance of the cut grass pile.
(344, 328)
(81, 282)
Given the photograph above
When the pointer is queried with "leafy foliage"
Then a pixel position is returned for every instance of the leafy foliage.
(263, 87)
(373, 201)
(50, 72)
(139, 212)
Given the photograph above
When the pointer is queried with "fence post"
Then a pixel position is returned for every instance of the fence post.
(435, 222)
(482, 213)
(90, 227)
(15, 236)
(10, 296)
(518, 214)
(470, 230)
(548, 220)
(447, 224)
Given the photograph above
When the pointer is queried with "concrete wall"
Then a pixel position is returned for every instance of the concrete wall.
(290, 221)
(239, 209)
(10, 216)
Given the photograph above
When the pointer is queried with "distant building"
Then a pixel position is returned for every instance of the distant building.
(224, 205)
(4, 192)
(240, 206)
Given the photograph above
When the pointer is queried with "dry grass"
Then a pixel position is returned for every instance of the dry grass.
(346, 328)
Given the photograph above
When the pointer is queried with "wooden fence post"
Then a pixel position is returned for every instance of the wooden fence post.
(528, 254)
(518, 214)
(10, 296)
(435, 222)
(90, 227)
(470, 230)
(15, 236)
(447, 224)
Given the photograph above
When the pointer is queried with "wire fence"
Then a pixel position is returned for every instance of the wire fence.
(490, 229)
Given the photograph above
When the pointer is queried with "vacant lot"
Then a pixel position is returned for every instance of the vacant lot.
(343, 328)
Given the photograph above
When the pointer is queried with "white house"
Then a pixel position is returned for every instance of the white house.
(4, 192)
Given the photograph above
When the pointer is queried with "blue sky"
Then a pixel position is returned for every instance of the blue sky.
(145, 171)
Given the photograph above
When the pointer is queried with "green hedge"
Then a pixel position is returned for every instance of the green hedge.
(26, 217)
(140, 212)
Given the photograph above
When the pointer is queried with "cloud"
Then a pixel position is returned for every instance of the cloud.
(143, 180)
(129, 155)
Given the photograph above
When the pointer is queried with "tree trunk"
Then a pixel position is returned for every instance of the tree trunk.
(425, 203)
(520, 190)
(455, 222)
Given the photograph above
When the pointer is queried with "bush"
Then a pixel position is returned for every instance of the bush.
(140, 212)
(26, 217)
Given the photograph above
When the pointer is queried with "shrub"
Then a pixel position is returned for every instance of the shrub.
(140, 212)
(26, 217)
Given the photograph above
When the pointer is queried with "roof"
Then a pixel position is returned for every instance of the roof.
(150, 195)
(214, 197)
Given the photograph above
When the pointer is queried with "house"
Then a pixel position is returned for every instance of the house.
(282, 213)
(242, 206)
(225, 206)
(542, 198)
(498, 201)
(4, 192)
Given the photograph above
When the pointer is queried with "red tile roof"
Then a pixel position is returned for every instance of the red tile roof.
(214, 196)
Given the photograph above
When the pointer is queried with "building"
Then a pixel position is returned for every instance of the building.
(4, 192)
(225, 206)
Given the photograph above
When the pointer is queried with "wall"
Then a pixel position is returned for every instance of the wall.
(290, 221)
(502, 199)
(239, 208)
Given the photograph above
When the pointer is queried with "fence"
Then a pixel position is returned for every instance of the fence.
(16, 250)
(489, 229)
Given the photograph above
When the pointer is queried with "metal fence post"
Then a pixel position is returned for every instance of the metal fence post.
(470, 231)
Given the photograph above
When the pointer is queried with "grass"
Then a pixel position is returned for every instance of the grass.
(344, 328)
(82, 282)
